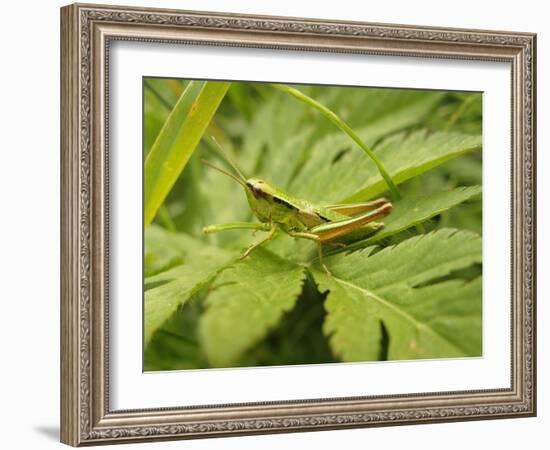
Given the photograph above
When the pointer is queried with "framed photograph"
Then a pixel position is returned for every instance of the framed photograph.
(276, 224)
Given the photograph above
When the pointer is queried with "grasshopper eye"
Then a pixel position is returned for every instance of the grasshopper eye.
(256, 190)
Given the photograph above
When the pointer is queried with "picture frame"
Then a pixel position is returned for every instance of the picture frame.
(87, 33)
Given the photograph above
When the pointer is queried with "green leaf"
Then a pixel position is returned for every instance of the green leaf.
(371, 292)
(397, 108)
(249, 300)
(453, 309)
(177, 140)
(417, 153)
(404, 156)
(163, 250)
(413, 211)
(277, 122)
(175, 345)
(174, 287)
(279, 166)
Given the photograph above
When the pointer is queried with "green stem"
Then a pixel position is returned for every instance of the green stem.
(420, 228)
(333, 117)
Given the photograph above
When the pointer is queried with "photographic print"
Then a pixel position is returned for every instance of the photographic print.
(309, 224)
(344, 212)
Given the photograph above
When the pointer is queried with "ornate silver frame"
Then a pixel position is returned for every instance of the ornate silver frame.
(86, 31)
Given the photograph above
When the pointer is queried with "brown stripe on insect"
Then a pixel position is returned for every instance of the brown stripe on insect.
(280, 201)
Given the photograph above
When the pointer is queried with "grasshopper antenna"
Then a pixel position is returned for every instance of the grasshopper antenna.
(212, 166)
(228, 159)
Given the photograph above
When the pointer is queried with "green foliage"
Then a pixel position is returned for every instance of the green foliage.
(175, 345)
(411, 290)
(253, 296)
(405, 156)
(389, 287)
(414, 211)
(170, 289)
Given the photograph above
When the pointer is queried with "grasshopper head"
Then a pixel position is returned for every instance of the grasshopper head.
(257, 186)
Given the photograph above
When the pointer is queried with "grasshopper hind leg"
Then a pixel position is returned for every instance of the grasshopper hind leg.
(336, 244)
(320, 251)
(318, 241)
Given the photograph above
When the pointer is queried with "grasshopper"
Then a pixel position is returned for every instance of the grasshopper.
(277, 210)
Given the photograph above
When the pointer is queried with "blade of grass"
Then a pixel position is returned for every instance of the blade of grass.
(336, 120)
(177, 140)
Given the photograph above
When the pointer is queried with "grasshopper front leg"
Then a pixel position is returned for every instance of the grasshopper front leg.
(244, 226)
(236, 226)
(260, 242)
